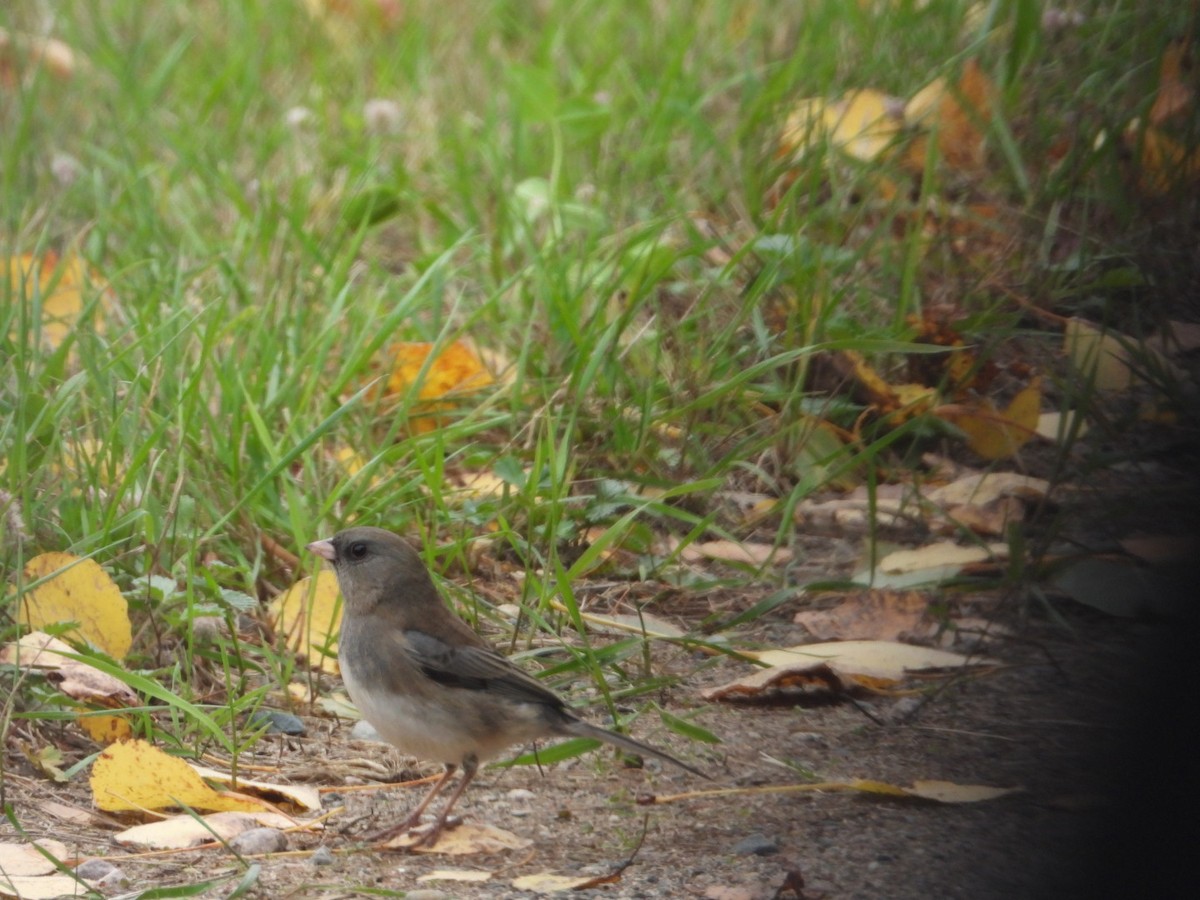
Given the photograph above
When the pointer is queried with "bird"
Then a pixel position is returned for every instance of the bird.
(427, 682)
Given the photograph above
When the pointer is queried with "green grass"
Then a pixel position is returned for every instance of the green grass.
(538, 193)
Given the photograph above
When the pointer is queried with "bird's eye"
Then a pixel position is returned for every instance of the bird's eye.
(357, 550)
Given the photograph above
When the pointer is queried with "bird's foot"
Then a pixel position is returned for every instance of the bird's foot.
(426, 837)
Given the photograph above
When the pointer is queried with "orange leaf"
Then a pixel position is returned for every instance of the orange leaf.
(454, 372)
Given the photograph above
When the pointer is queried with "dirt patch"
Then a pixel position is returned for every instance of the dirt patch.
(1045, 722)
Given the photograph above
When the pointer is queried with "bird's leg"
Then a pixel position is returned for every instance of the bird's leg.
(470, 765)
(415, 816)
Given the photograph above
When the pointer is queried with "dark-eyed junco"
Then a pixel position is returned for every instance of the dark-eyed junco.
(426, 681)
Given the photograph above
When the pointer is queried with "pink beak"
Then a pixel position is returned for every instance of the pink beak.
(323, 549)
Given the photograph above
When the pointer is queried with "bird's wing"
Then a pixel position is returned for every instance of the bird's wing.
(476, 668)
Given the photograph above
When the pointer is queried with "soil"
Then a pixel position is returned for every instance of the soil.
(1087, 715)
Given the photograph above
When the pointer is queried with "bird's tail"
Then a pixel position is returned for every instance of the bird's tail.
(580, 728)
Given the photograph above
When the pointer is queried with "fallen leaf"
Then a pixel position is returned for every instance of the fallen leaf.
(309, 614)
(467, 839)
(872, 615)
(135, 775)
(861, 124)
(1162, 548)
(63, 285)
(949, 792)
(42, 887)
(549, 883)
(1120, 588)
(881, 659)
(179, 832)
(957, 116)
(24, 859)
(643, 624)
(300, 796)
(839, 667)
(940, 559)
(470, 876)
(1056, 426)
(995, 434)
(77, 590)
(78, 680)
(736, 551)
(1174, 97)
(1163, 165)
(982, 488)
(1098, 356)
(439, 380)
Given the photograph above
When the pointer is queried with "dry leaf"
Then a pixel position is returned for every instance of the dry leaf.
(735, 551)
(300, 796)
(958, 117)
(1163, 164)
(549, 883)
(138, 776)
(1056, 426)
(470, 876)
(872, 615)
(78, 680)
(993, 434)
(944, 558)
(839, 667)
(466, 839)
(1098, 356)
(982, 488)
(24, 859)
(42, 887)
(1174, 97)
(949, 792)
(64, 286)
(309, 614)
(179, 832)
(643, 624)
(1162, 548)
(77, 590)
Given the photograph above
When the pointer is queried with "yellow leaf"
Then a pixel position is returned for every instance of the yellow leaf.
(135, 775)
(310, 614)
(860, 124)
(1098, 356)
(62, 284)
(106, 729)
(454, 372)
(997, 435)
(78, 590)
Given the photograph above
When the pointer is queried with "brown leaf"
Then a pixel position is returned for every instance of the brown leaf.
(872, 615)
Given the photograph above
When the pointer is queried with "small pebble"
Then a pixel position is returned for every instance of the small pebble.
(426, 894)
(114, 881)
(364, 731)
(521, 794)
(756, 845)
(322, 856)
(259, 840)
(276, 722)
(94, 869)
